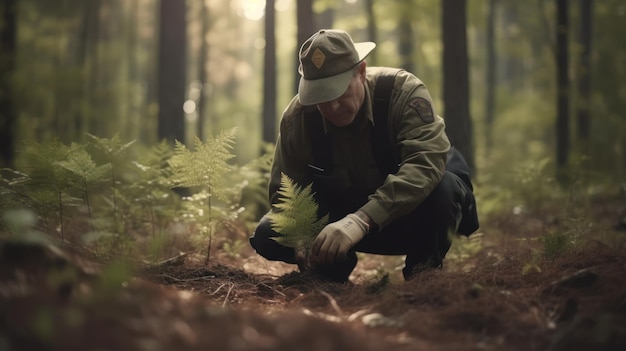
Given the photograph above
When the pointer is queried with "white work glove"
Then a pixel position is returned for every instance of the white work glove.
(334, 241)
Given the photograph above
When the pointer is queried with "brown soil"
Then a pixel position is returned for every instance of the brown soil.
(497, 291)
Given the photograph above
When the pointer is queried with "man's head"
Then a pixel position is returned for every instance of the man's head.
(329, 60)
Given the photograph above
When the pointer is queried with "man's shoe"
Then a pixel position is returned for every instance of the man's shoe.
(412, 269)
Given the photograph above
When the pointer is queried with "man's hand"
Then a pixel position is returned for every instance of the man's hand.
(334, 241)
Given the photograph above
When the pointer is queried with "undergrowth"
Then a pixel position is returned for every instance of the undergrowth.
(118, 198)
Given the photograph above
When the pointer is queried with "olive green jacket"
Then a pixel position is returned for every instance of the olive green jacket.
(417, 134)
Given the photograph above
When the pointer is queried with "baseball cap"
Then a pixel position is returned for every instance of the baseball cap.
(326, 62)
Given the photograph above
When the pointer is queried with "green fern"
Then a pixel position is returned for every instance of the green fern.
(85, 171)
(48, 185)
(205, 167)
(295, 218)
(113, 149)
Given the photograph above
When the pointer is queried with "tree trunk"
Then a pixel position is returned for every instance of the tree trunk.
(584, 71)
(203, 74)
(562, 63)
(269, 75)
(306, 28)
(371, 30)
(8, 48)
(490, 78)
(326, 18)
(456, 78)
(406, 41)
(171, 70)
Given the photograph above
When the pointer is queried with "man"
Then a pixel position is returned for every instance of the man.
(380, 172)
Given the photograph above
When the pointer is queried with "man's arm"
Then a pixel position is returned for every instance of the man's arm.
(423, 145)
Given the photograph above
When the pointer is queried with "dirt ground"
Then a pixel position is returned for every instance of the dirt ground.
(498, 291)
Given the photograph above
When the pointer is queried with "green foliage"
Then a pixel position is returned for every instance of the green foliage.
(206, 165)
(555, 244)
(464, 247)
(233, 247)
(295, 218)
(21, 227)
(113, 278)
(254, 177)
(118, 205)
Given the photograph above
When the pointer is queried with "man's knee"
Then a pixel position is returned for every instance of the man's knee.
(455, 198)
(263, 243)
(447, 195)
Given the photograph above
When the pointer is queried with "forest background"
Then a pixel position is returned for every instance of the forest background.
(530, 90)
(136, 138)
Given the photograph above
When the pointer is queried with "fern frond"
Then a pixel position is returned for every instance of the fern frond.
(81, 165)
(206, 165)
(112, 147)
(295, 217)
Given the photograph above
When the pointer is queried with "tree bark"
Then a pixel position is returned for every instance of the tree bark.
(8, 48)
(305, 28)
(203, 74)
(269, 75)
(456, 79)
(371, 30)
(171, 70)
(584, 71)
(490, 78)
(406, 40)
(562, 63)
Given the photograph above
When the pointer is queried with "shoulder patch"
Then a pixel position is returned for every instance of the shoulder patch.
(423, 108)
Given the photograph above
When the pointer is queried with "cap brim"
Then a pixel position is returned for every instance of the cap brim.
(364, 49)
(312, 92)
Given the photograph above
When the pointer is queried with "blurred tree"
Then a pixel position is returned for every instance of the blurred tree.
(87, 43)
(608, 143)
(8, 47)
(269, 74)
(584, 73)
(406, 39)
(490, 75)
(326, 16)
(563, 87)
(172, 70)
(456, 78)
(371, 30)
(306, 28)
(203, 73)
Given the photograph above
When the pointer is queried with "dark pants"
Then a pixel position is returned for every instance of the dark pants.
(422, 235)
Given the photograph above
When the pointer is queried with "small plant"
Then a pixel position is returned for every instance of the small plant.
(113, 150)
(84, 172)
(204, 167)
(295, 218)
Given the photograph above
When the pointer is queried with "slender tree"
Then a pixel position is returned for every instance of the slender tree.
(203, 73)
(306, 27)
(490, 72)
(326, 18)
(584, 71)
(8, 46)
(563, 86)
(456, 78)
(171, 70)
(406, 40)
(269, 75)
(371, 30)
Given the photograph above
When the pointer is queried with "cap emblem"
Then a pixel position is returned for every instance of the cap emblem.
(318, 58)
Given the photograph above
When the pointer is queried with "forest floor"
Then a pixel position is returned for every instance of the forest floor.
(506, 287)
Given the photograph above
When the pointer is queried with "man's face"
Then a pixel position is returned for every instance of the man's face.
(342, 111)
